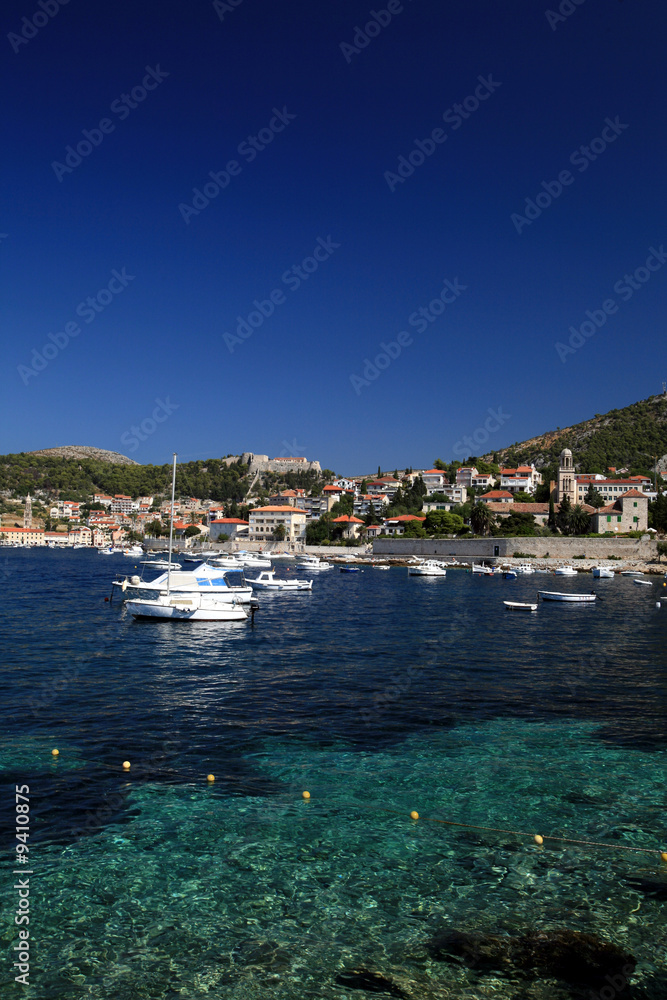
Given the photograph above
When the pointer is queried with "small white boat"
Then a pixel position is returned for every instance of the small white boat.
(113, 550)
(225, 562)
(603, 572)
(267, 581)
(186, 607)
(249, 560)
(565, 571)
(551, 595)
(428, 568)
(519, 606)
(644, 583)
(631, 572)
(312, 563)
(381, 566)
(282, 555)
(482, 570)
(160, 564)
(133, 551)
(525, 569)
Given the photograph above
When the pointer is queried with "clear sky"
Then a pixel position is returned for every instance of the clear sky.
(371, 161)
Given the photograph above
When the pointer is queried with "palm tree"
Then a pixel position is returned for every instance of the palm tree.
(580, 521)
(481, 519)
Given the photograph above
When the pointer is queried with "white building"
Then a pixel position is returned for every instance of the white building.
(523, 479)
(264, 521)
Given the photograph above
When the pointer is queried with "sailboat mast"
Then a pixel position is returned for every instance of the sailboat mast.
(171, 523)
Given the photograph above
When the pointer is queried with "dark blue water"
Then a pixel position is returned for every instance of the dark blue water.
(378, 693)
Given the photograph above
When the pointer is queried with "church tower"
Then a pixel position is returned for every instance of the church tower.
(27, 513)
(567, 484)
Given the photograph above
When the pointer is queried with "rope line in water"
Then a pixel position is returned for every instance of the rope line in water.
(414, 815)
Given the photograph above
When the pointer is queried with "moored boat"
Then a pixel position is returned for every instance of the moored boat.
(643, 583)
(603, 572)
(428, 568)
(551, 595)
(312, 563)
(565, 571)
(519, 606)
(186, 607)
(267, 580)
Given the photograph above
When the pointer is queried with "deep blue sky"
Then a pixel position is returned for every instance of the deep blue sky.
(287, 389)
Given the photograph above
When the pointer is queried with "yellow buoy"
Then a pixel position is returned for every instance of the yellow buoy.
(55, 753)
(210, 777)
(414, 814)
(126, 765)
(664, 856)
(305, 795)
(539, 839)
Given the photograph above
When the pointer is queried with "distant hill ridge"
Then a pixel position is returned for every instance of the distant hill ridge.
(631, 437)
(83, 451)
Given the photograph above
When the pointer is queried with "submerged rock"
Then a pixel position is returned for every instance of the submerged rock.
(371, 982)
(573, 956)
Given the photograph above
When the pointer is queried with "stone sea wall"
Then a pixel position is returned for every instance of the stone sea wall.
(559, 548)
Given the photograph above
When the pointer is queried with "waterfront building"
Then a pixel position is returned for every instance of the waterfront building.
(264, 521)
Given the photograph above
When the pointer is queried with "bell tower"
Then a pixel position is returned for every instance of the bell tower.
(27, 512)
(567, 486)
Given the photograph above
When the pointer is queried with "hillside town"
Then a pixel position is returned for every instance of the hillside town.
(458, 499)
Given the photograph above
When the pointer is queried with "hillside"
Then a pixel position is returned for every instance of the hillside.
(83, 451)
(625, 438)
(77, 478)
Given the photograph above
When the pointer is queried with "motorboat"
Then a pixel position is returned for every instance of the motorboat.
(312, 563)
(525, 569)
(228, 585)
(551, 595)
(603, 572)
(224, 561)
(113, 550)
(350, 569)
(643, 583)
(509, 574)
(282, 555)
(160, 564)
(519, 606)
(482, 570)
(381, 566)
(186, 607)
(428, 568)
(565, 571)
(267, 580)
(252, 560)
(133, 551)
(631, 572)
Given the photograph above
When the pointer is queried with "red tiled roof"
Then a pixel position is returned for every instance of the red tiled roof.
(433, 472)
(229, 520)
(496, 493)
(405, 517)
(346, 519)
(633, 493)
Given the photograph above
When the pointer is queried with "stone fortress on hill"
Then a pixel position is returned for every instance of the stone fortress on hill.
(262, 463)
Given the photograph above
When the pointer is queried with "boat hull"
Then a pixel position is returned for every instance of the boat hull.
(186, 611)
(519, 606)
(550, 595)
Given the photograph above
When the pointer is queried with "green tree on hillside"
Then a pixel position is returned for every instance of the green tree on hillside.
(593, 497)
(563, 515)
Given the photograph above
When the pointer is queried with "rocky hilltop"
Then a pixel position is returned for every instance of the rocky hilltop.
(83, 451)
(634, 437)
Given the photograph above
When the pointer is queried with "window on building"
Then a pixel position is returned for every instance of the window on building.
(608, 517)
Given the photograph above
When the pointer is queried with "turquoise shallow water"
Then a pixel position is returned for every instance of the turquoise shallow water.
(377, 696)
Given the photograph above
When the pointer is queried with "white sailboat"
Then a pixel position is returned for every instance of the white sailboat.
(183, 606)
